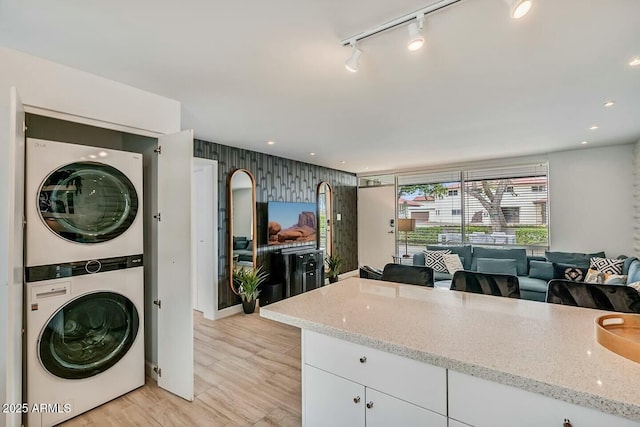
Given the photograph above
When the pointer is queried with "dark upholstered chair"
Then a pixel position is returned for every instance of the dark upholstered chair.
(409, 274)
(368, 272)
(501, 285)
(591, 295)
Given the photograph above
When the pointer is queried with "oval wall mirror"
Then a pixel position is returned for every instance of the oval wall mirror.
(325, 218)
(242, 221)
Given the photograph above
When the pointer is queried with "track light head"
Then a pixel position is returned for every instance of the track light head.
(351, 64)
(518, 8)
(416, 39)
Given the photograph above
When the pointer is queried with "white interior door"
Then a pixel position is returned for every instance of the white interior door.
(205, 238)
(376, 229)
(175, 315)
(15, 262)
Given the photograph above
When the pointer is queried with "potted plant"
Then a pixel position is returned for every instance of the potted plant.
(334, 262)
(246, 282)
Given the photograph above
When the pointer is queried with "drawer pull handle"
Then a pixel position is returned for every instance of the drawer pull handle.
(369, 405)
(567, 423)
(356, 399)
(363, 359)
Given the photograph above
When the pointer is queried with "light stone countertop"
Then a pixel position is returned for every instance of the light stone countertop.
(543, 348)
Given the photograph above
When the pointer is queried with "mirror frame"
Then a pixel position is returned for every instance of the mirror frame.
(330, 199)
(230, 219)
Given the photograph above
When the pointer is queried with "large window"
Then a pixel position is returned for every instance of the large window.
(490, 207)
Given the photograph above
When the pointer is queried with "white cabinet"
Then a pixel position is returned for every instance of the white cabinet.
(334, 401)
(483, 403)
(418, 383)
(383, 410)
(331, 400)
(346, 384)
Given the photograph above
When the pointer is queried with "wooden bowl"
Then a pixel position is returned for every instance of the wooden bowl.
(620, 333)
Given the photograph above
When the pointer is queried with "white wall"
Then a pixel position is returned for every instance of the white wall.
(44, 84)
(591, 200)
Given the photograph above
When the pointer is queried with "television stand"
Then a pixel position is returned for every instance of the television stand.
(299, 269)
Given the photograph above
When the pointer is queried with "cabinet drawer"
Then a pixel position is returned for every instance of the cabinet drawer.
(418, 383)
(483, 403)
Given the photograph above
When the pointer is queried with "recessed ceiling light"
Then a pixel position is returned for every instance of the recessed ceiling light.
(594, 127)
(609, 103)
(584, 142)
(92, 156)
(635, 62)
(103, 154)
(271, 142)
(343, 162)
(312, 154)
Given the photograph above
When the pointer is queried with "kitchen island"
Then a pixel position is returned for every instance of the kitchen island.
(452, 358)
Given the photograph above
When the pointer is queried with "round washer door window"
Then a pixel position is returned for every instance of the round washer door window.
(88, 202)
(88, 335)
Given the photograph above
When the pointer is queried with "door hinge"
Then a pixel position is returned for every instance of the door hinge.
(158, 217)
(158, 303)
(24, 127)
(157, 371)
(24, 223)
(158, 150)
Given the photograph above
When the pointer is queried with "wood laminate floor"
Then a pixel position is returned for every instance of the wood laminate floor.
(247, 373)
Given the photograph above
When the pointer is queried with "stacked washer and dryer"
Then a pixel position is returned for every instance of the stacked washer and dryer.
(84, 302)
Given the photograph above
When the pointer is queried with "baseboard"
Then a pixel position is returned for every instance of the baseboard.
(229, 311)
(352, 273)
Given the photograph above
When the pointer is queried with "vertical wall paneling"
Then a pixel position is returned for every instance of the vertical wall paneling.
(280, 179)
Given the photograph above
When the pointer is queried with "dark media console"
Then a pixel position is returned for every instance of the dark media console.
(293, 271)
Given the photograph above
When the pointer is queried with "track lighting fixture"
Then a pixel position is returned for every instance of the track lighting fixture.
(416, 39)
(351, 64)
(518, 8)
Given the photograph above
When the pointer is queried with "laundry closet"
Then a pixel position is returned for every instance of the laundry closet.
(90, 217)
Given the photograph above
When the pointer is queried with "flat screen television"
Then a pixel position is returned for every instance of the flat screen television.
(291, 222)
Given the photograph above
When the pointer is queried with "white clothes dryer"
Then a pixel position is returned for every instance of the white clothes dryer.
(81, 203)
(85, 339)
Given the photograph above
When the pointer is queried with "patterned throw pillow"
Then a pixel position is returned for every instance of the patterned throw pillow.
(569, 272)
(452, 262)
(607, 265)
(434, 260)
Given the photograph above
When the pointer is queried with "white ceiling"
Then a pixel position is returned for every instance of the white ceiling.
(484, 86)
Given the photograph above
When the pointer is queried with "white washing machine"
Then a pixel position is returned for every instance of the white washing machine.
(82, 203)
(85, 340)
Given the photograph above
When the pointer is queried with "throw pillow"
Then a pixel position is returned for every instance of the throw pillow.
(615, 279)
(434, 260)
(453, 263)
(463, 251)
(498, 266)
(541, 270)
(594, 276)
(607, 265)
(569, 272)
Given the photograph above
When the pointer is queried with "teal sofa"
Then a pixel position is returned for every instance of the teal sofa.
(533, 272)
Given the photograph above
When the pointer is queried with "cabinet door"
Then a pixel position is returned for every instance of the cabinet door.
(330, 400)
(483, 403)
(383, 410)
